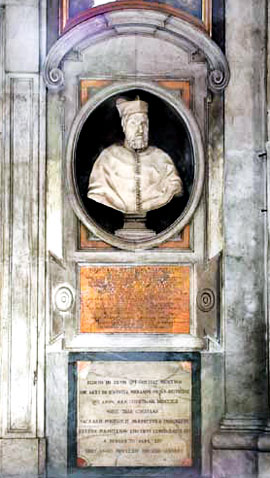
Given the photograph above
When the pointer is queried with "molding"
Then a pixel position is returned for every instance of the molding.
(243, 423)
(235, 440)
(156, 256)
(207, 16)
(146, 21)
(256, 440)
(197, 147)
(21, 238)
(3, 106)
(64, 15)
(66, 23)
(135, 342)
(41, 294)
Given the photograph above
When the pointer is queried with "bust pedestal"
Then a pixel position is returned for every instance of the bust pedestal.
(134, 228)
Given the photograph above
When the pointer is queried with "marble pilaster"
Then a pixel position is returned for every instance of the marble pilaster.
(246, 406)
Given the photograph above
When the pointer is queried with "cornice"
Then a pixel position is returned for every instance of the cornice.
(127, 19)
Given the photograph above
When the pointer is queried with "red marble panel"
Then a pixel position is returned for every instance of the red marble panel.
(140, 299)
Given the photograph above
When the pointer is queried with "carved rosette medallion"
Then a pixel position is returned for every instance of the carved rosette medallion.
(63, 298)
(206, 300)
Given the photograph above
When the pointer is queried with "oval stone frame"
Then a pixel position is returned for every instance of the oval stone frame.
(198, 153)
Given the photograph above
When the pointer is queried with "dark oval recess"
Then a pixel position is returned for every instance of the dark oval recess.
(167, 131)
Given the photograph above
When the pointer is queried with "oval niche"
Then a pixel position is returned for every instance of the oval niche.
(174, 138)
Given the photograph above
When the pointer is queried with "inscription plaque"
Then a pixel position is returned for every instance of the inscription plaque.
(153, 299)
(134, 414)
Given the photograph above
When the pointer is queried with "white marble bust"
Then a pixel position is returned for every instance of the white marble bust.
(133, 177)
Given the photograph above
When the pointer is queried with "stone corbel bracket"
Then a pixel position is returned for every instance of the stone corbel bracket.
(145, 21)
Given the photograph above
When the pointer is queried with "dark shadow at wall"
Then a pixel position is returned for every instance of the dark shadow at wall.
(218, 21)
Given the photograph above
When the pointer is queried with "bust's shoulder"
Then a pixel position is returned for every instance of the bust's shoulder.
(113, 150)
(115, 147)
(154, 149)
(108, 155)
(158, 154)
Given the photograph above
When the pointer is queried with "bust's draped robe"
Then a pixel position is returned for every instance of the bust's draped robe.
(134, 182)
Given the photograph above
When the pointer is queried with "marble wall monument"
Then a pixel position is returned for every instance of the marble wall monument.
(134, 299)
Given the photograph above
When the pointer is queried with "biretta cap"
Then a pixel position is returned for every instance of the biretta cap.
(129, 107)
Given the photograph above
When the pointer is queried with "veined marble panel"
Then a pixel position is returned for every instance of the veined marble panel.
(55, 131)
(129, 415)
(22, 53)
(20, 259)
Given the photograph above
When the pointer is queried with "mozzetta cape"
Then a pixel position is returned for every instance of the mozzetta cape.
(134, 182)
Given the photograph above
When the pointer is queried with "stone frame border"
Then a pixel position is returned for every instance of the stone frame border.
(197, 147)
(135, 356)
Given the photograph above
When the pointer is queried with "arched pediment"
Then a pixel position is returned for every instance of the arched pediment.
(126, 19)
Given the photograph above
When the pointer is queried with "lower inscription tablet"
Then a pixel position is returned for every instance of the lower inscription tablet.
(134, 414)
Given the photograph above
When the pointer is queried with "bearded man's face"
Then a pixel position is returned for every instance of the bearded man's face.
(136, 129)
